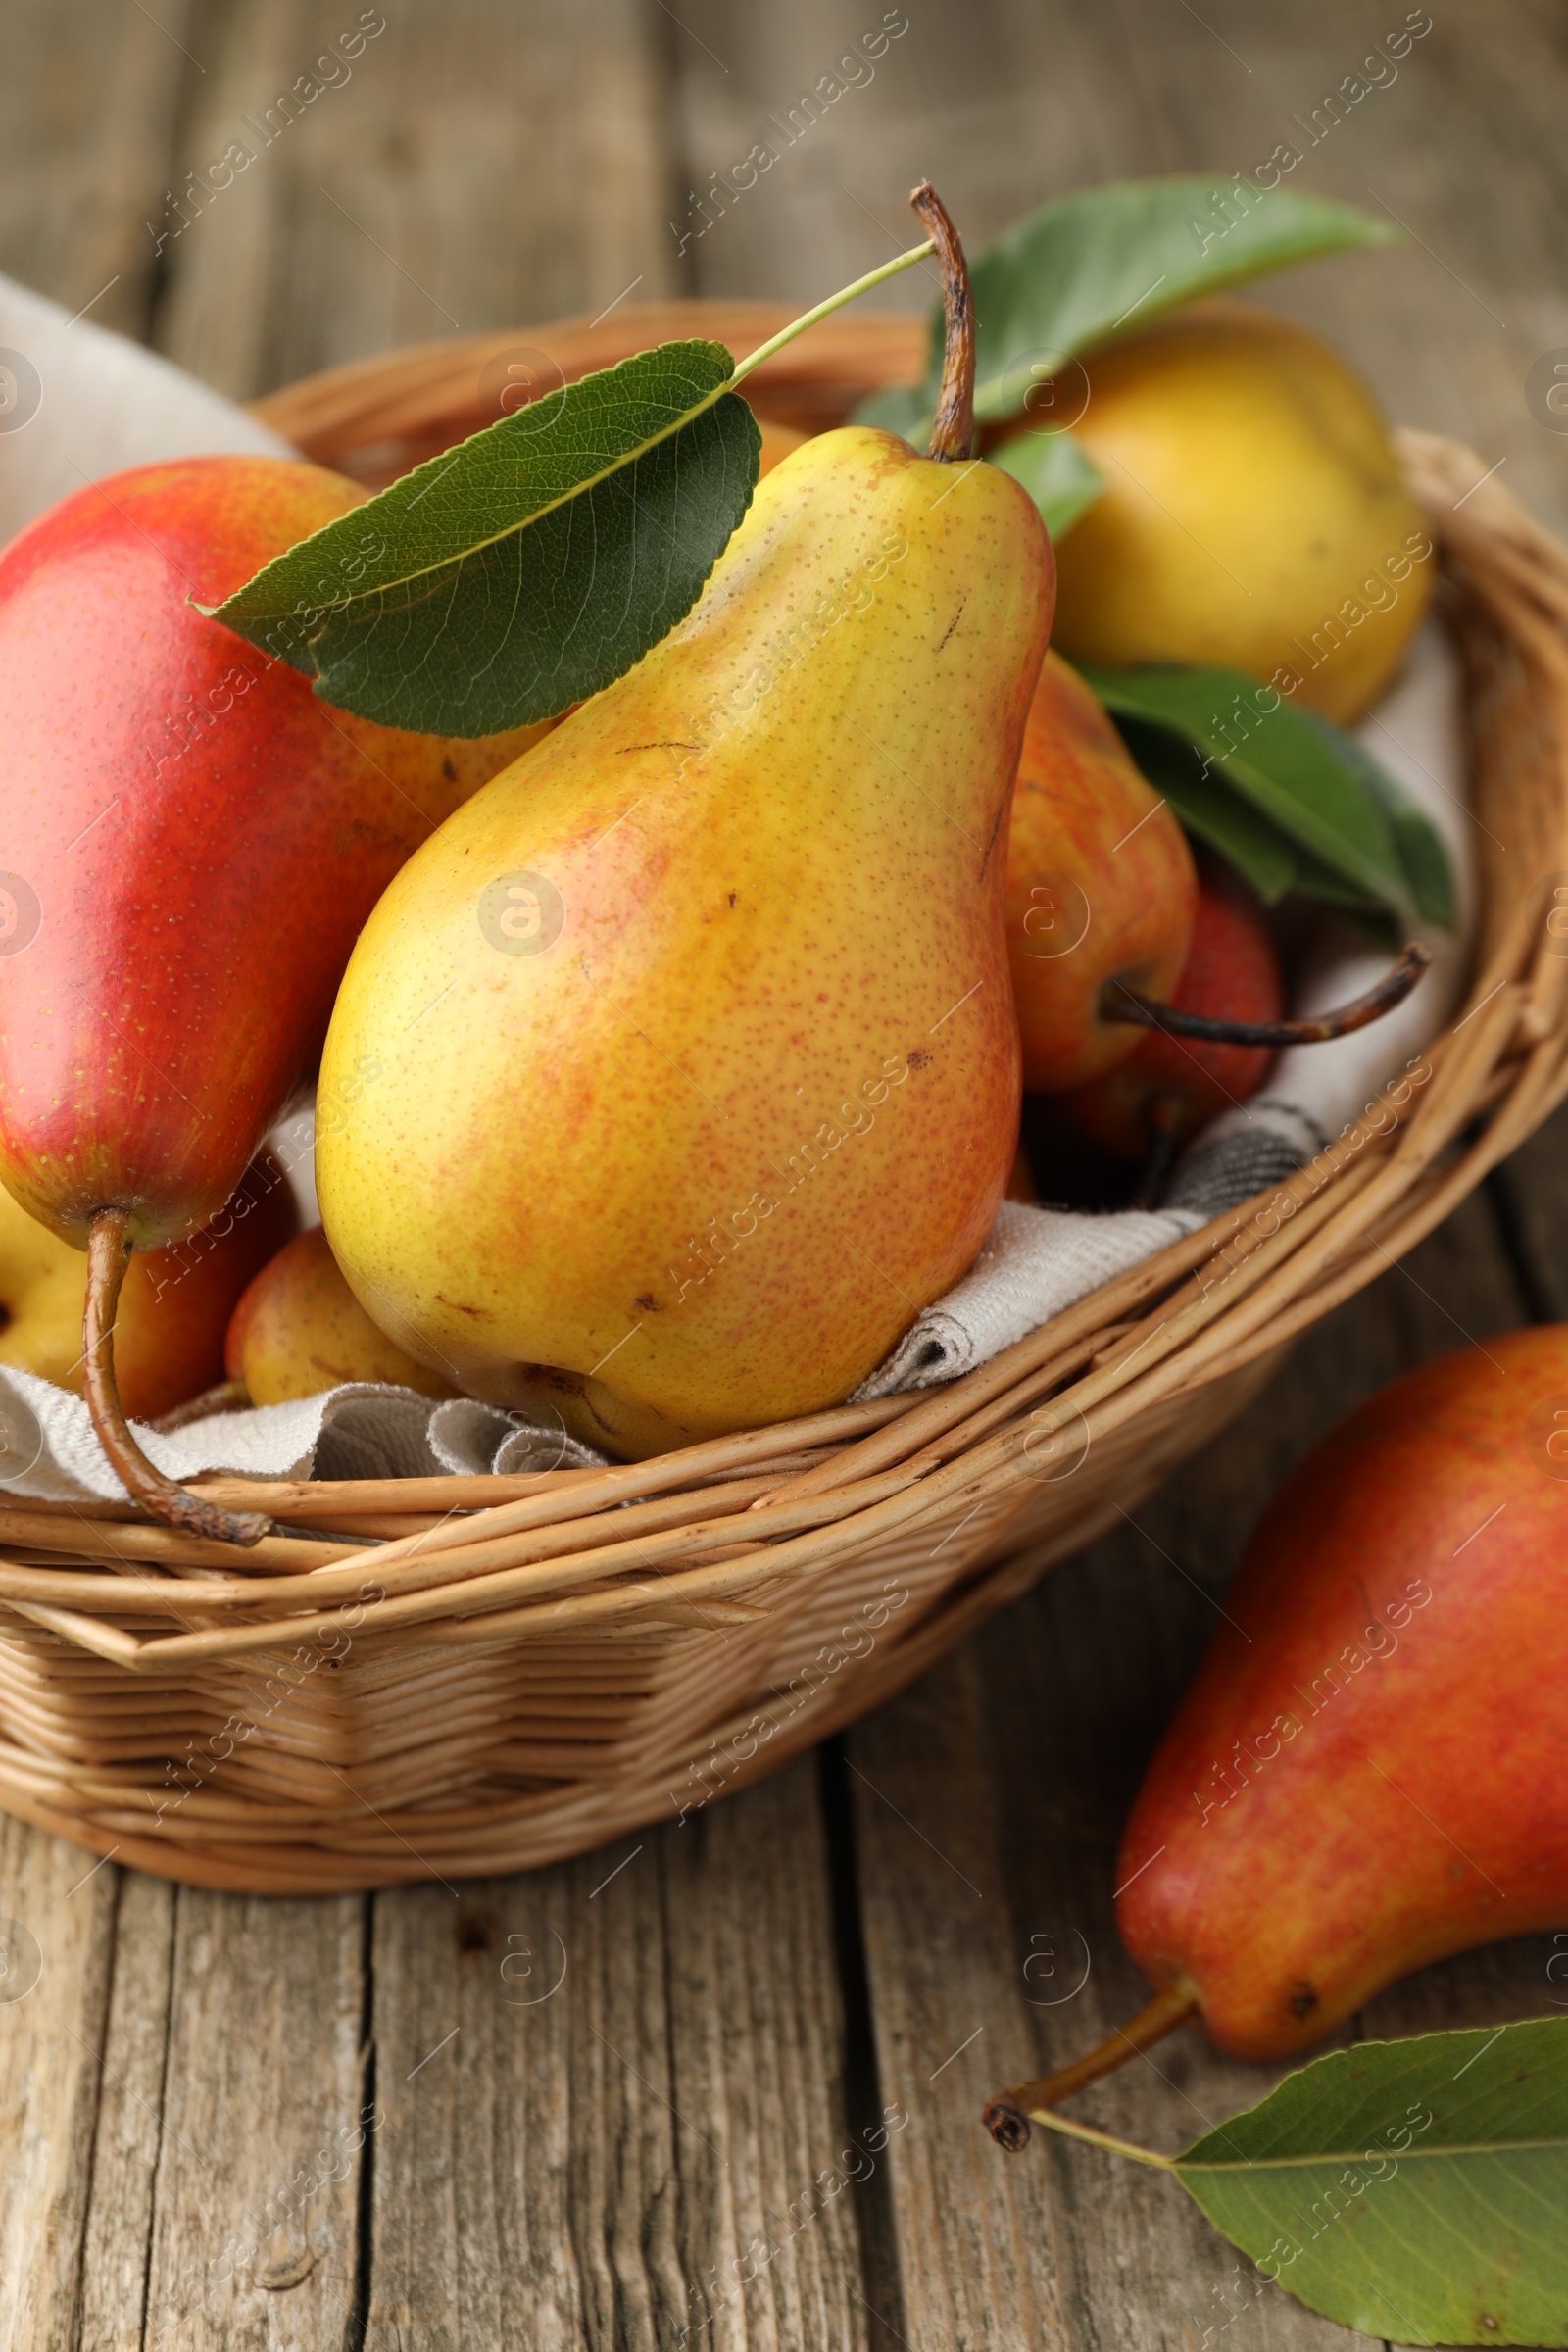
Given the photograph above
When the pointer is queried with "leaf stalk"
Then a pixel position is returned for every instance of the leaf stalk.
(824, 310)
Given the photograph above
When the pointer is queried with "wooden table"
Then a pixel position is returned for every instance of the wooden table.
(903, 1920)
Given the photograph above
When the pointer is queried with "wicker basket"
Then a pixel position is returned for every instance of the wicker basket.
(451, 1676)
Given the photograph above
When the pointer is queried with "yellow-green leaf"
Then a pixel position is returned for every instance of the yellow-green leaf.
(1414, 2189)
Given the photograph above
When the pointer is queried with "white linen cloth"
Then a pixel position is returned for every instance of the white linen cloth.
(78, 403)
(49, 1450)
(1036, 1263)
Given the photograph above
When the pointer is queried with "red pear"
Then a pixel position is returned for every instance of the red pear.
(192, 841)
(1370, 1771)
(1172, 1086)
(173, 1320)
(1101, 885)
(174, 1307)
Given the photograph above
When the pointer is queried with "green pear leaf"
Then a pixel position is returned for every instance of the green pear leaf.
(527, 568)
(1291, 768)
(1058, 472)
(1077, 271)
(1260, 853)
(1269, 860)
(1421, 847)
(1413, 2189)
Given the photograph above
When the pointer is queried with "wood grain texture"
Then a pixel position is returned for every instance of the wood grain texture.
(88, 99)
(608, 2089)
(124, 2163)
(1006, 107)
(1531, 1189)
(252, 2208)
(55, 1957)
(473, 166)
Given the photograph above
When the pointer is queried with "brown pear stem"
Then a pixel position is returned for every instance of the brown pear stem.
(1119, 1003)
(224, 1397)
(108, 1249)
(1007, 2116)
(953, 432)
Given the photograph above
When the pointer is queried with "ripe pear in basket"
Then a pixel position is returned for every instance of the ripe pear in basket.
(1101, 885)
(1159, 1095)
(174, 1307)
(700, 1061)
(192, 841)
(1255, 512)
(1107, 935)
(298, 1330)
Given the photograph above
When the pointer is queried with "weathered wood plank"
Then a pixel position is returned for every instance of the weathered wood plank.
(57, 1930)
(466, 167)
(253, 2224)
(1016, 1764)
(130, 2119)
(758, 2055)
(88, 99)
(988, 1814)
(608, 2087)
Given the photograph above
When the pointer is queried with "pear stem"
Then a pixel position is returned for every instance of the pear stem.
(224, 1397)
(834, 302)
(1007, 2116)
(1105, 2140)
(1119, 1003)
(953, 430)
(108, 1249)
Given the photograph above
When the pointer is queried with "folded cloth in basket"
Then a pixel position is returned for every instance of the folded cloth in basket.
(1036, 1263)
(49, 1451)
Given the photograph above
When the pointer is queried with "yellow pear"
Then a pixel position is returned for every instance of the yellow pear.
(699, 1065)
(1255, 516)
(299, 1329)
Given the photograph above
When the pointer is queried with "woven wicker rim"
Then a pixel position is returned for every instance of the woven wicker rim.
(738, 1532)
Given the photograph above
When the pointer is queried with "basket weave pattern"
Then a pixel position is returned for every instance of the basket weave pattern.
(453, 1676)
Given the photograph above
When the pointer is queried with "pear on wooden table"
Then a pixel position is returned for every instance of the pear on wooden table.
(1370, 1769)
